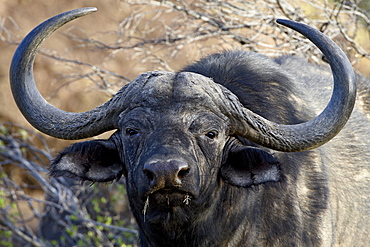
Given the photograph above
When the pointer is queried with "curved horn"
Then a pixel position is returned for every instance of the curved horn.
(43, 116)
(316, 132)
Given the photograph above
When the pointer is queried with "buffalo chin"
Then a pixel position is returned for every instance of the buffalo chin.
(166, 215)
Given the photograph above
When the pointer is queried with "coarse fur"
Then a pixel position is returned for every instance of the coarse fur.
(239, 194)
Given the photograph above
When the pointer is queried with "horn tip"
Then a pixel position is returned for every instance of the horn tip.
(285, 22)
(84, 11)
(89, 9)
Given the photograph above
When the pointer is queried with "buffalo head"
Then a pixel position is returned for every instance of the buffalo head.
(178, 138)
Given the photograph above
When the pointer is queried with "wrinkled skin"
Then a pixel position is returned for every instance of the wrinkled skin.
(151, 136)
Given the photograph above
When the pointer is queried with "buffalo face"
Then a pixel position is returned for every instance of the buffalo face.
(174, 147)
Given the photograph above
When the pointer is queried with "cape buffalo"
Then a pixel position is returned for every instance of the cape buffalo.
(204, 166)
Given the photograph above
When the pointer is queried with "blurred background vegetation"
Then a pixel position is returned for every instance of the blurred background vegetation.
(85, 62)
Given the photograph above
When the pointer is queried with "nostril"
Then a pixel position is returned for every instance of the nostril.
(149, 174)
(183, 172)
(165, 173)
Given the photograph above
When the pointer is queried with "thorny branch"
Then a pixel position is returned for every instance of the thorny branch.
(62, 199)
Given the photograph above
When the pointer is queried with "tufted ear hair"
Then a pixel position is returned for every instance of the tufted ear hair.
(248, 166)
(96, 161)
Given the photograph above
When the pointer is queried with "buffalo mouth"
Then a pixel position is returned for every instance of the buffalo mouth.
(168, 198)
(167, 205)
(171, 198)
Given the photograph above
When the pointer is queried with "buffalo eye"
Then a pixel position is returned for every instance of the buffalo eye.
(131, 132)
(211, 135)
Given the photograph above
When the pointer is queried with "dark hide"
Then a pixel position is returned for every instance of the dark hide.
(225, 190)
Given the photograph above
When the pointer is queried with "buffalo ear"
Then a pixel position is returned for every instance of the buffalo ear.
(96, 161)
(248, 166)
